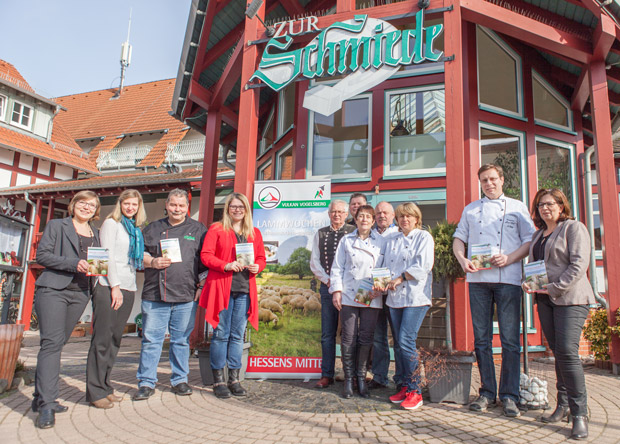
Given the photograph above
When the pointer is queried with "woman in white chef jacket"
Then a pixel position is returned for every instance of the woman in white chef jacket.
(357, 254)
(409, 256)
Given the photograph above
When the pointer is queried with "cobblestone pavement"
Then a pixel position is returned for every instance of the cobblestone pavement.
(279, 412)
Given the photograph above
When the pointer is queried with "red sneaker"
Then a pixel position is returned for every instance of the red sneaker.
(412, 401)
(400, 396)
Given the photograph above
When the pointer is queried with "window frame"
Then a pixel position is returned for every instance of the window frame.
(520, 114)
(268, 122)
(30, 117)
(572, 164)
(353, 177)
(569, 114)
(280, 130)
(522, 154)
(4, 101)
(278, 167)
(262, 168)
(428, 172)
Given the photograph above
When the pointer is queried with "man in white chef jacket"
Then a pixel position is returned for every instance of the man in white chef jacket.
(503, 226)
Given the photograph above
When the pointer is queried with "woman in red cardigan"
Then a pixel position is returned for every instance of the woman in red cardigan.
(233, 251)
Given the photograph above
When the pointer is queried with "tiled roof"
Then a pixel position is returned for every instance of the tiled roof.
(100, 183)
(139, 109)
(63, 149)
(10, 74)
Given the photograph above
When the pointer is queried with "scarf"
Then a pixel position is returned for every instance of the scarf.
(136, 243)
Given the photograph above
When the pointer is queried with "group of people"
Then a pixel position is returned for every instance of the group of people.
(196, 265)
(346, 252)
(360, 240)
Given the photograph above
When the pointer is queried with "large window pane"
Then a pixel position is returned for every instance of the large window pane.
(498, 74)
(285, 164)
(547, 107)
(416, 132)
(503, 149)
(554, 169)
(340, 141)
(286, 111)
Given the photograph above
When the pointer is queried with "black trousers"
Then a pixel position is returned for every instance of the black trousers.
(562, 326)
(59, 311)
(108, 325)
(358, 325)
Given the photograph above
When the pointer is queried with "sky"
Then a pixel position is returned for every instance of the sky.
(66, 47)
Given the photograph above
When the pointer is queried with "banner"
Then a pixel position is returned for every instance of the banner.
(288, 341)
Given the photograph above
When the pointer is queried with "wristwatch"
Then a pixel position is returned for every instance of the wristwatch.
(404, 276)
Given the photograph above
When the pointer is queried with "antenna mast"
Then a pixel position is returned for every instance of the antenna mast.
(125, 57)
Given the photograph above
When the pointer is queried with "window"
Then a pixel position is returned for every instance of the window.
(554, 162)
(596, 215)
(267, 134)
(3, 101)
(415, 132)
(503, 147)
(286, 108)
(264, 171)
(499, 75)
(339, 143)
(550, 108)
(284, 163)
(22, 115)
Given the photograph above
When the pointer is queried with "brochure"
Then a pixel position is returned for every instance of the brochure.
(97, 259)
(381, 277)
(245, 254)
(536, 276)
(363, 292)
(481, 256)
(171, 249)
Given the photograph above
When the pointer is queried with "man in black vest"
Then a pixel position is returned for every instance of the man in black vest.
(323, 251)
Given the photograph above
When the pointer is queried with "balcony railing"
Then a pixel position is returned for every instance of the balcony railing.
(190, 151)
(122, 157)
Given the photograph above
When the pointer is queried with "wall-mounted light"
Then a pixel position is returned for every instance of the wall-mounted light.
(251, 12)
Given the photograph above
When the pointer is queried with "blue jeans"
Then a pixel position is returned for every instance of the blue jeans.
(407, 321)
(329, 327)
(227, 341)
(381, 350)
(178, 319)
(482, 299)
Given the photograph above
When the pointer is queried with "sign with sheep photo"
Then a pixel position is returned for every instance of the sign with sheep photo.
(288, 341)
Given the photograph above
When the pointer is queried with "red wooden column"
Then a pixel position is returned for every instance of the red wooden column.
(247, 138)
(455, 161)
(207, 199)
(607, 193)
(30, 277)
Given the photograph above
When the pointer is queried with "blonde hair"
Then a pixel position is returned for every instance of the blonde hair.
(117, 213)
(247, 227)
(411, 209)
(85, 195)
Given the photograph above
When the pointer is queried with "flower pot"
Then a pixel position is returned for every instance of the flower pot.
(10, 344)
(454, 385)
(206, 374)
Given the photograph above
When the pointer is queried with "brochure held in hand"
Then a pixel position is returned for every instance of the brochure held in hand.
(97, 259)
(171, 249)
(245, 254)
(536, 276)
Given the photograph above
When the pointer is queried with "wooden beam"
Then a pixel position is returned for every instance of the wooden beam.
(345, 6)
(292, 7)
(608, 194)
(220, 48)
(526, 29)
(229, 77)
(204, 38)
(582, 92)
(603, 38)
(201, 96)
(613, 74)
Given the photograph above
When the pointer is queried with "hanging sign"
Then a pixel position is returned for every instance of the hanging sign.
(371, 50)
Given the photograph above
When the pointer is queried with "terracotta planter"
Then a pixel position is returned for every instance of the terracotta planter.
(10, 344)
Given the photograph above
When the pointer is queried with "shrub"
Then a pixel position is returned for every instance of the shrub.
(598, 332)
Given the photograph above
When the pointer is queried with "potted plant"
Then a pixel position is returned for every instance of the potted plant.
(598, 332)
(204, 362)
(447, 372)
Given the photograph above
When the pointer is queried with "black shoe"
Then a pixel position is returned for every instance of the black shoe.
(348, 366)
(481, 404)
(46, 419)
(182, 389)
(561, 412)
(233, 383)
(143, 393)
(363, 352)
(510, 408)
(347, 389)
(58, 409)
(219, 386)
(580, 427)
(373, 384)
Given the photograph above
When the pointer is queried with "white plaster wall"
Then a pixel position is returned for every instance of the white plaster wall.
(63, 172)
(39, 180)
(5, 178)
(44, 167)
(25, 162)
(6, 156)
(22, 179)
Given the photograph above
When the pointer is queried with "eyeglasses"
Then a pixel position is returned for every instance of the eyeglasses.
(84, 204)
(547, 204)
(236, 207)
(337, 212)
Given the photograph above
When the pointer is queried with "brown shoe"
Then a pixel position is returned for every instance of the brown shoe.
(113, 398)
(324, 382)
(103, 403)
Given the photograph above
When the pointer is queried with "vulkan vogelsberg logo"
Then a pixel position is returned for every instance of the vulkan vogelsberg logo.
(319, 192)
(371, 49)
(269, 197)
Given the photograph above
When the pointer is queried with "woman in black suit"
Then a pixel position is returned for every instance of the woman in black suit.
(62, 292)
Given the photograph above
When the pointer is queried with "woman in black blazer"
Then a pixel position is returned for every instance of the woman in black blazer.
(62, 292)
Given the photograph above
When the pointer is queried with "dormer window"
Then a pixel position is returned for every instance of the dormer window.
(2, 107)
(22, 115)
